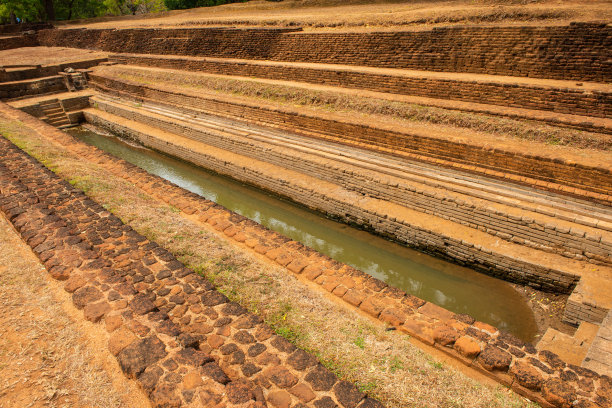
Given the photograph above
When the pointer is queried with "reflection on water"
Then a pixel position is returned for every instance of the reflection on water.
(459, 289)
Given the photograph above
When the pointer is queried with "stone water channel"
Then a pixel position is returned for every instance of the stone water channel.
(453, 287)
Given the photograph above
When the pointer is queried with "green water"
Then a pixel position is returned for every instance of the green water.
(453, 287)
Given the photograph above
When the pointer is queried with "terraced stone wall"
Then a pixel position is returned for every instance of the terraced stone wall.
(17, 28)
(543, 234)
(71, 106)
(11, 90)
(465, 253)
(181, 309)
(596, 182)
(562, 100)
(544, 52)
(52, 217)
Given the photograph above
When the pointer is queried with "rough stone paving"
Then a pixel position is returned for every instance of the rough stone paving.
(183, 341)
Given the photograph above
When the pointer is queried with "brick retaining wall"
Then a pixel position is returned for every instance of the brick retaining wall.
(17, 28)
(11, 90)
(46, 70)
(544, 52)
(446, 247)
(493, 162)
(18, 41)
(562, 100)
(530, 229)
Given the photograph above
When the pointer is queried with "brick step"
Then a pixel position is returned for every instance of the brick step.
(59, 123)
(571, 348)
(374, 176)
(63, 119)
(56, 115)
(599, 356)
(564, 171)
(570, 97)
(50, 105)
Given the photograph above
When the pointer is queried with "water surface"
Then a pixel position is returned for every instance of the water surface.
(459, 289)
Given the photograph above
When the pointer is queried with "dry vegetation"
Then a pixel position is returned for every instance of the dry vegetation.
(373, 14)
(44, 358)
(385, 364)
(340, 102)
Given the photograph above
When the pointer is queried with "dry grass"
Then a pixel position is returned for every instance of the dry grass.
(44, 360)
(385, 364)
(398, 111)
(361, 14)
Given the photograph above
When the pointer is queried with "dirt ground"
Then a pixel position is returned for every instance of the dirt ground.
(49, 356)
(368, 15)
(46, 55)
(547, 309)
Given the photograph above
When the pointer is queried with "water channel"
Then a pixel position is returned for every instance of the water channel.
(453, 287)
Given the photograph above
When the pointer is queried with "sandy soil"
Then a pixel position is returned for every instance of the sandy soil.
(49, 356)
(46, 55)
(367, 15)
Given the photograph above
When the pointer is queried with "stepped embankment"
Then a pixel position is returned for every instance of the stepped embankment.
(500, 161)
(574, 174)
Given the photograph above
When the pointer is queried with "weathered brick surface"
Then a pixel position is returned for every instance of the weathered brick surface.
(556, 99)
(529, 229)
(33, 87)
(45, 70)
(545, 52)
(492, 263)
(17, 28)
(18, 41)
(530, 168)
(156, 342)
